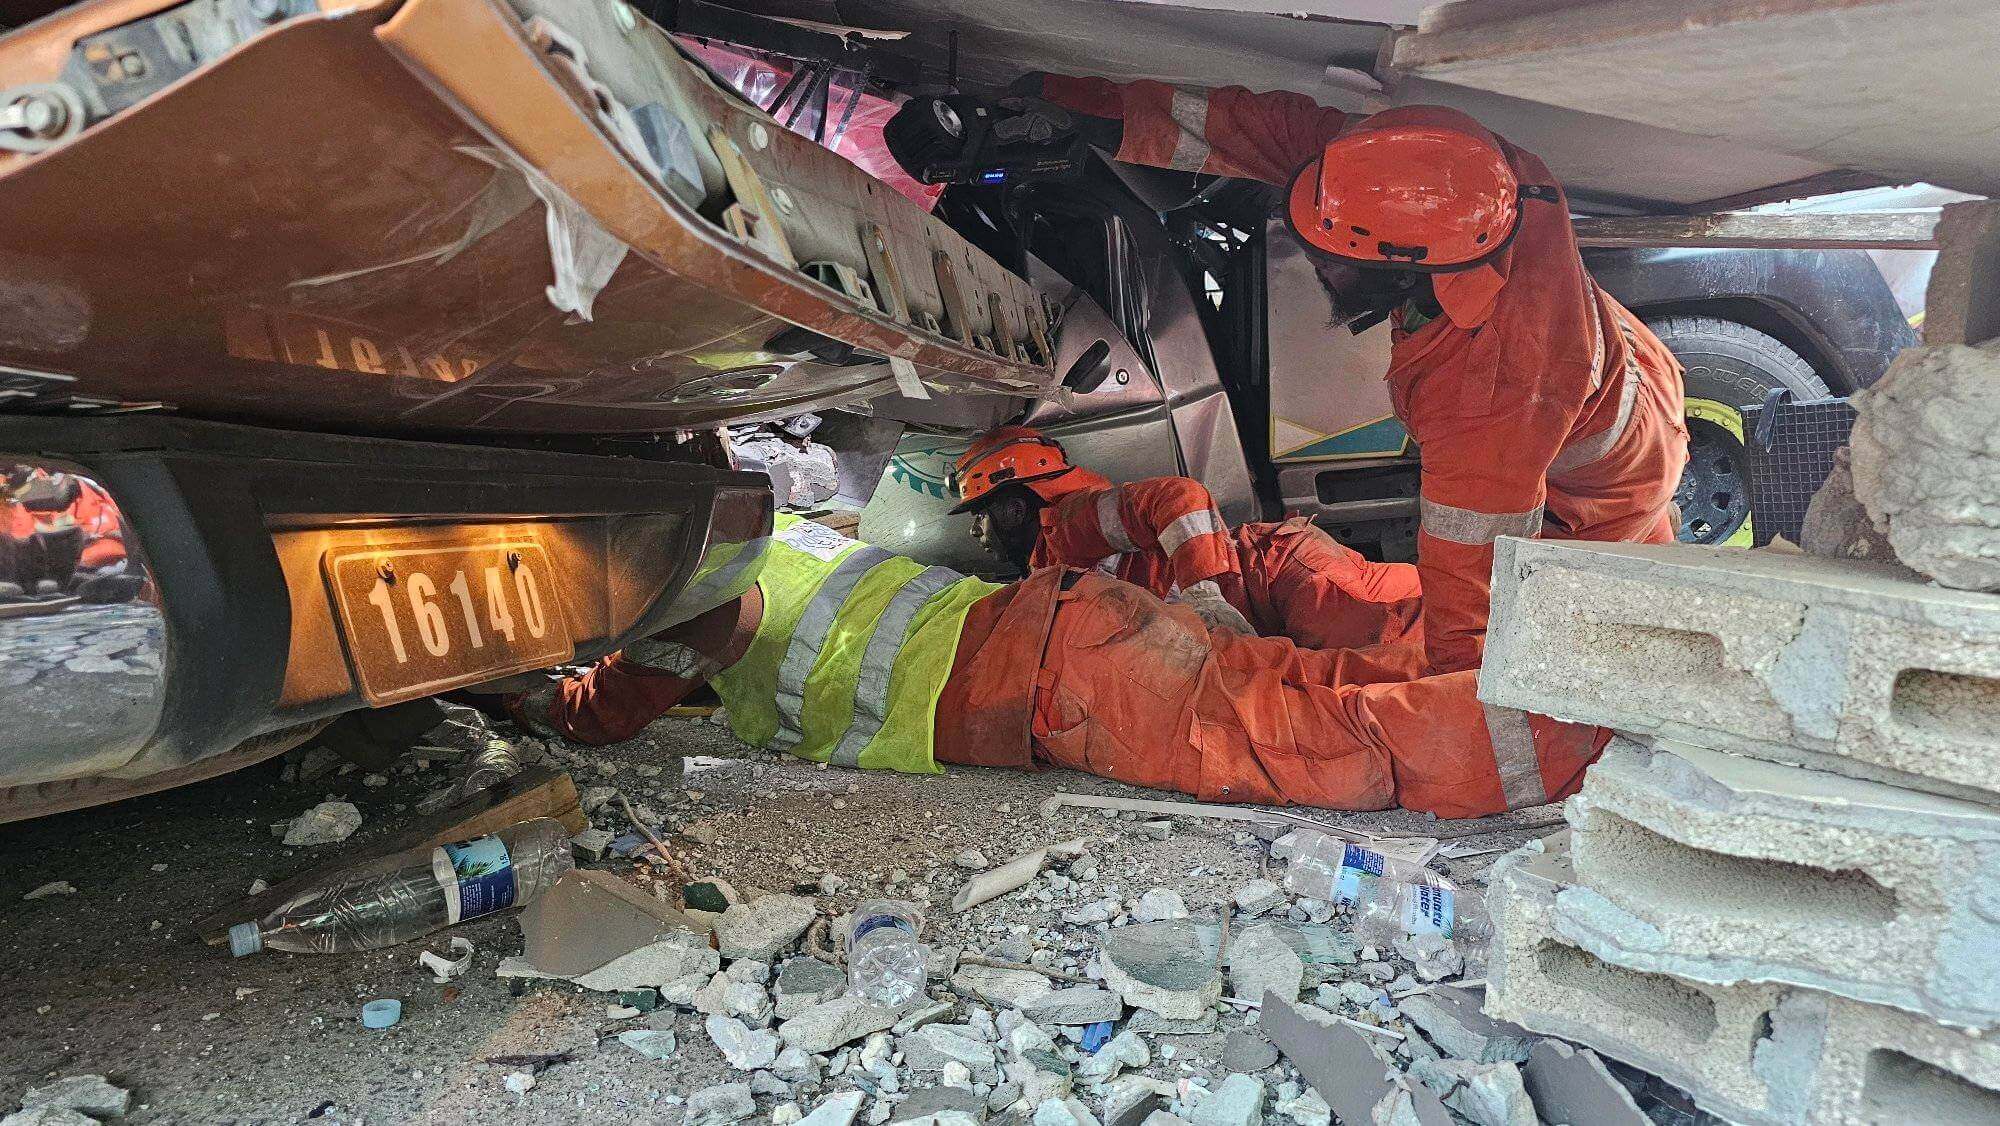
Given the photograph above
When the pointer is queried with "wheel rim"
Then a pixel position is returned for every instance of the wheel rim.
(1714, 493)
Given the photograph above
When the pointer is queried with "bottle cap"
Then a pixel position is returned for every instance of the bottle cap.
(245, 939)
(382, 1013)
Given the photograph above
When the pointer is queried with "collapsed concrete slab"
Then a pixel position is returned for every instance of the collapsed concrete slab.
(1738, 1050)
(1721, 869)
(1882, 1065)
(1834, 664)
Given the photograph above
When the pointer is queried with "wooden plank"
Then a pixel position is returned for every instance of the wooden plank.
(535, 792)
(1865, 230)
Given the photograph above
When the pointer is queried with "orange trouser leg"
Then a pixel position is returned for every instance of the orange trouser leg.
(614, 701)
(1302, 584)
(1136, 690)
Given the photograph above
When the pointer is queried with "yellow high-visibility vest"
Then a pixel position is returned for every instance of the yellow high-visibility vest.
(852, 652)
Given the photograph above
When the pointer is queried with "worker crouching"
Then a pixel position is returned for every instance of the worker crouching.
(845, 653)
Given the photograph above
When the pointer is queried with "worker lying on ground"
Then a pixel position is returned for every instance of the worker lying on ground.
(1032, 508)
(842, 652)
(1542, 406)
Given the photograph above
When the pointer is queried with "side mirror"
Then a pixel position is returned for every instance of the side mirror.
(1089, 371)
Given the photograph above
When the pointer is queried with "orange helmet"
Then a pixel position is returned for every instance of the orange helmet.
(1011, 455)
(1418, 187)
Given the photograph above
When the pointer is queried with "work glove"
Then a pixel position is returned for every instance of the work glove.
(1206, 600)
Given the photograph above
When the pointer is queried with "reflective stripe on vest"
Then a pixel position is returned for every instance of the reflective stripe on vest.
(1112, 526)
(1475, 528)
(1189, 110)
(1200, 522)
(1584, 451)
(1514, 757)
(851, 655)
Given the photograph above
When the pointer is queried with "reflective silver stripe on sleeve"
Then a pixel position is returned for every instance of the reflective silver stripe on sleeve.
(1190, 112)
(1475, 528)
(878, 661)
(1514, 756)
(1110, 525)
(718, 586)
(1578, 454)
(809, 636)
(1200, 522)
(670, 657)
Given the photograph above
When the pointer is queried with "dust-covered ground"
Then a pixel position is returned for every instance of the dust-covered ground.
(112, 980)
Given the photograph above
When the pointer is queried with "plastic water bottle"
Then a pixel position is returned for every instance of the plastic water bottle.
(885, 962)
(414, 893)
(487, 769)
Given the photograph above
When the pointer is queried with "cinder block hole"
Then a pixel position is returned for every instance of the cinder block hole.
(1664, 655)
(1684, 1011)
(1900, 1088)
(1632, 865)
(1958, 705)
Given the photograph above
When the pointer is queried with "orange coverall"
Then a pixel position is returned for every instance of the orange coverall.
(1105, 677)
(1541, 406)
(1289, 579)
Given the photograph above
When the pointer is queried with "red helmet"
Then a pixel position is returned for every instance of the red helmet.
(1013, 455)
(1419, 187)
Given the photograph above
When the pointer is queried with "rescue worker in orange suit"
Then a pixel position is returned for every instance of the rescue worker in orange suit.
(1541, 406)
(847, 654)
(1032, 508)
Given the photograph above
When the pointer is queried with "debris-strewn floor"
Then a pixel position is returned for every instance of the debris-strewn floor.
(111, 980)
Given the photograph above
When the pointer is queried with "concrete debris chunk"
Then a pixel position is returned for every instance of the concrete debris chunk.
(933, 1046)
(1719, 869)
(329, 822)
(1830, 664)
(1258, 897)
(1160, 905)
(1452, 1020)
(1075, 1005)
(1571, 1084)
(924, 1102)
(1239, 1101)
(48, 1116)
(763, 929)
(842, 1020)
(1487, 1094)
(744, 1048)
(1926, 455)
(804, 982)
(1342, 1064)
(795, 1066)
(1063, 1112)
(653, 1043)
(653, 965)
(1306, 1109)
(1153, 1024)
(1164, 1118)
(835, 1110)
(1001, 987)
(1261, 961)
(53, 887)
(1124, 1050)
(720, 1105)
(1130, 1100)
(93, 1095)
(1162, 967)
(1433, 956)
(972, 860)
(1246, 1051)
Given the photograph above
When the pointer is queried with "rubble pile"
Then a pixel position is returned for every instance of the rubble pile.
(1776, 888)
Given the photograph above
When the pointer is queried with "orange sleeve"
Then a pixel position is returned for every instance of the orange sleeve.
(1230, 131)
(1174, 517)
(1483, 476)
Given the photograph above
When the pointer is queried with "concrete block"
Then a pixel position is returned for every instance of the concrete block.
(1887, 1066)
(1721, 868)
(1830, 663)
(1738, 1050)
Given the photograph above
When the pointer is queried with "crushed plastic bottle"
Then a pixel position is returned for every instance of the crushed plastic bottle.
(485, 770)
(1391, 898)
(414, 893)
(885, 962)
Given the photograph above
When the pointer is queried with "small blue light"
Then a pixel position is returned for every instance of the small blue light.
(996, 176)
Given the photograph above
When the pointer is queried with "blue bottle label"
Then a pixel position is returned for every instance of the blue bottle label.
(477, 877)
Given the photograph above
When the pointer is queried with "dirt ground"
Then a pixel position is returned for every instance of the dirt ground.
(112, 980)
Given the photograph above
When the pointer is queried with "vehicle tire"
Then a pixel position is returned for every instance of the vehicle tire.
(1729, 367)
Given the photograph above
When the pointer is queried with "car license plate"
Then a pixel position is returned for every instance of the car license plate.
(420, 620)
